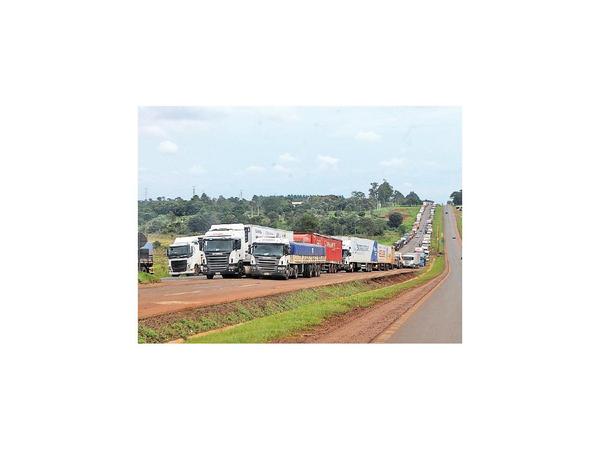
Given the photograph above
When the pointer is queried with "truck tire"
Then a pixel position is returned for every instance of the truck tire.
(197, 270)
(286, 275)
(210, 276)
(307, 272)
(175, 276)
(295, 273)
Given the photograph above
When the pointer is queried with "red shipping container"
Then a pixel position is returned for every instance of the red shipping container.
(333, 247)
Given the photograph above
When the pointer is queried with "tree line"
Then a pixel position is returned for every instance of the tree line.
(327, 214)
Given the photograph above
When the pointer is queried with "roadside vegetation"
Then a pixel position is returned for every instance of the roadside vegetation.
(374, 213)
(458, 215)
(437, 239)
(311, 314)
(233, 313)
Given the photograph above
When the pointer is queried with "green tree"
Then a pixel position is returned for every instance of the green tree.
(456, 197)
(384, 192)
(412, 199)
(307, 222)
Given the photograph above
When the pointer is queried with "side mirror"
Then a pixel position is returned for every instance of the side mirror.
(237, 245)
(286, 249)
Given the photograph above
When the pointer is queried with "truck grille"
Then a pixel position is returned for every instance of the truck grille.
(217, 263)
(179, 266)
(267, 263)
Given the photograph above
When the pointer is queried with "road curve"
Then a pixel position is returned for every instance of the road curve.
(439, 318)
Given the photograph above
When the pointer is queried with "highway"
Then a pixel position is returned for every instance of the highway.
(439, 318)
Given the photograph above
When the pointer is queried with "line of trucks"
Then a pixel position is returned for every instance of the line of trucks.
(235, 250)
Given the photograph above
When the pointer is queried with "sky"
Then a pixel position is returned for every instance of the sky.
(298, 150)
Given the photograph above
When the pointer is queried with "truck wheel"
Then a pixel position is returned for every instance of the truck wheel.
(175, 276)
(307, 272)
(196, 270)
(295, 273)
(210, 276)
(286, 275)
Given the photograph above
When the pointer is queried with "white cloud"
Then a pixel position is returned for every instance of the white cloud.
(327, 162)
(394, 162)
(287, 157)
(197, 169)
(167, 147)
(370, 136)
(153, 130)
(281, 169)
(255, 169)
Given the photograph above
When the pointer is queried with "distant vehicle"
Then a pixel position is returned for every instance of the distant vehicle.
(146, 258)
(398, 261)
(410, 260)
(186, 256)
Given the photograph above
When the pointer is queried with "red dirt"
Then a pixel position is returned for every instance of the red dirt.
(182, 294)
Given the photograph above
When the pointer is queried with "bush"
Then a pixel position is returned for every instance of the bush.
(395, 220)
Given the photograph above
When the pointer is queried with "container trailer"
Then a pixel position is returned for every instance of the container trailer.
(333, 249)
(358, 253)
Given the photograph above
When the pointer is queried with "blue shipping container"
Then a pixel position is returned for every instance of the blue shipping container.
(302, 249)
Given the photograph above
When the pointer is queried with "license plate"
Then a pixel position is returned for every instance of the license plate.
(267, 273)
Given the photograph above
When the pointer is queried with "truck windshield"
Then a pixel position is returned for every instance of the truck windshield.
(268, 250)
(218, 245)
(408, 258)
(178, 251)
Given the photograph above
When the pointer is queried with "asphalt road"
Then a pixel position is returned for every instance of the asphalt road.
(439, 318)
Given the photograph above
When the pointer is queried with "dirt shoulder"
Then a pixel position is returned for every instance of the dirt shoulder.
(367, 325)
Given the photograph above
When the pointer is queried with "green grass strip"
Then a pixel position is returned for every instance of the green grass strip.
(145, 278)
(283, 324)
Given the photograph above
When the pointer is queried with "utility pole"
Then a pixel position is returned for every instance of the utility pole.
(145, 194)
(193, 191)
(241, 195)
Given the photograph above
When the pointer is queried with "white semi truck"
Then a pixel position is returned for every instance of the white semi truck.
(186, 256)
(227, 247)
(284, 258)
(358, 253)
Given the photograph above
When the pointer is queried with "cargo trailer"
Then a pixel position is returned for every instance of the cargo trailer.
(385, 257)
(333, 249)
(358, 253)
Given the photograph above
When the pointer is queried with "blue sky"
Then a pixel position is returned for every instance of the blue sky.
(298, 150)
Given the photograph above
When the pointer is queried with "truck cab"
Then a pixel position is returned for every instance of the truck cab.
(186, 256)
(281, 258)
(224, 247)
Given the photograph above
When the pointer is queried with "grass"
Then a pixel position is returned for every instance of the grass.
(161, 263)
(243, 311)
(458, 215)
(311, 314)
(437, 239)
(145, 278)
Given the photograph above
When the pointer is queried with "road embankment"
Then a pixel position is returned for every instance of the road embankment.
(298, 323)
(182, 324)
